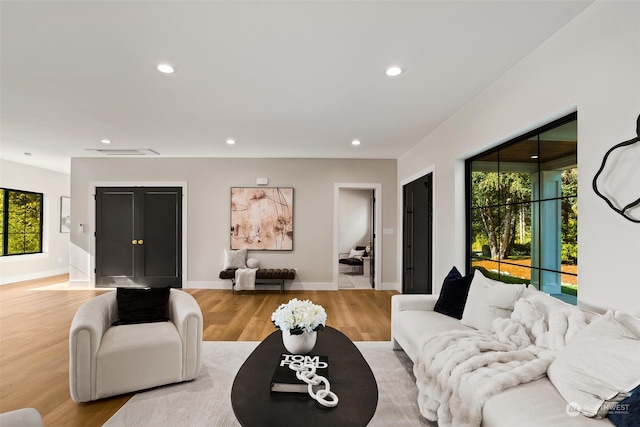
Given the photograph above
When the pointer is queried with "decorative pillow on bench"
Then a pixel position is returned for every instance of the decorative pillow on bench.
(142, 305)
(235, 259)
(453, 294)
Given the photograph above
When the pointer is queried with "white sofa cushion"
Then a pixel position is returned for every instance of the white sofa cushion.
(414, 327)
(533, 404)
(488, 300)
(632, 324)
(598, 364)
(138, 356)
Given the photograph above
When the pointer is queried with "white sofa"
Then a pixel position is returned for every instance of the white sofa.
(535, 403)
(106, 360)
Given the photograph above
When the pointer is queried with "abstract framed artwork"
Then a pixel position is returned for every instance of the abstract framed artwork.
(262, 218)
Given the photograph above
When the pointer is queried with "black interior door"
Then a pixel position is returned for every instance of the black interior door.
(372, 240)
(138, 236)
(417, 236)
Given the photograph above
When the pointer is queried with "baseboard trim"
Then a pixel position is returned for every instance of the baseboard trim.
(33, 276)
(389, 286)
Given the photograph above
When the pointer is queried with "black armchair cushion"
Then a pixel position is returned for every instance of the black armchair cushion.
(142, 305)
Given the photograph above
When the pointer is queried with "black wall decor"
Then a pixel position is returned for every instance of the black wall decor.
(622, 211)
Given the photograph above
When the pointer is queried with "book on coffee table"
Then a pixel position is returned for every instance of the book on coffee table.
(284, 378)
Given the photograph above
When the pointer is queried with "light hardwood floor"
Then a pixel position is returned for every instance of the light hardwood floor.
(34, 337)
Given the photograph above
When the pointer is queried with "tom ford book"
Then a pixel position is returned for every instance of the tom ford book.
(284, 378)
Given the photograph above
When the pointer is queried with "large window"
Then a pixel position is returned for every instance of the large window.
(522, 210)
(21, 225)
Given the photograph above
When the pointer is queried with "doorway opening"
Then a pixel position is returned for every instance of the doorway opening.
(356, 225)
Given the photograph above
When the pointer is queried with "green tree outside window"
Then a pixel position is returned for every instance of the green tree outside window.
(21, 229)
(522, 221)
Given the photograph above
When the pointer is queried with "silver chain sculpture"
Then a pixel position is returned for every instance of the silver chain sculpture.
(307, 372)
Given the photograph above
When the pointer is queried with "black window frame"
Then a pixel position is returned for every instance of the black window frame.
(468, 185)
(4, 193)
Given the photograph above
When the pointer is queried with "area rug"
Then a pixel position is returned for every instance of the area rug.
(206, 400)
(344, 282)
(353, 281)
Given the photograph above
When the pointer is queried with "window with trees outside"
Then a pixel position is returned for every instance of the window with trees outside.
(522, 210)
(21, 225)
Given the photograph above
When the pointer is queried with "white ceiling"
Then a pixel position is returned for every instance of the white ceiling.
(283, 78)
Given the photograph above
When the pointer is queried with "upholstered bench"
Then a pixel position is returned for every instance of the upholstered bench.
(263, 276)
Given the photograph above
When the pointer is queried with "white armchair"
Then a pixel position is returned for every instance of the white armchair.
(106, 361)
(24, 417)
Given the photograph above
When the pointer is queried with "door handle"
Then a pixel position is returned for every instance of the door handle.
(137, 242)
(140, 242)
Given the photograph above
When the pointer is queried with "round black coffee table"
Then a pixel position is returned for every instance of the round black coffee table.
(254, 404)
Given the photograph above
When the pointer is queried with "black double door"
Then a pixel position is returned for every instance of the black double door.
(138, 236)
(417, 236)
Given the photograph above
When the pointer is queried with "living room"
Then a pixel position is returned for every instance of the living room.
(589, 65)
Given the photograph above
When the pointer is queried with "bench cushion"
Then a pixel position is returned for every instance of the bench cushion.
(263, 273)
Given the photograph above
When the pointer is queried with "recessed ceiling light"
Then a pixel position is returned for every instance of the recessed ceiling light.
(535, 156)
(105, 141)
(165, 68)
(355, 142)
(231, 141)
(393, 71)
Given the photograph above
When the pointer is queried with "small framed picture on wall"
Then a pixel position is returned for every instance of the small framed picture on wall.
(65, 214)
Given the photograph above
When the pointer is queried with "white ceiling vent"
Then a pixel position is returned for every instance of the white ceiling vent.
(125, 152)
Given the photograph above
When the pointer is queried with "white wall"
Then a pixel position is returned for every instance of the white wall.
(355, 214)
(592, 65)
(55, 257)
(208, 182)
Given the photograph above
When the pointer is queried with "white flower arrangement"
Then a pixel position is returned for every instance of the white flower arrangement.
(299, 316)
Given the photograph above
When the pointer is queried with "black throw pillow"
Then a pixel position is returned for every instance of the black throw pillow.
(142, 305)
(453, 295)
(453, 274)
(627, 412)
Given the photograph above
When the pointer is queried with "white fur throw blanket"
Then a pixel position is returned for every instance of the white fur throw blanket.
(458, 371)
(246, 279)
